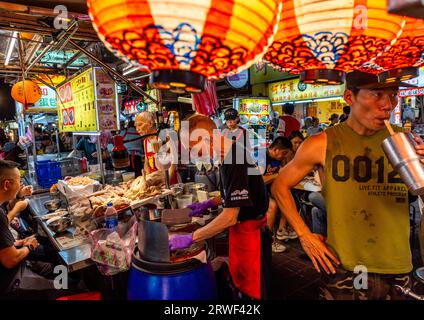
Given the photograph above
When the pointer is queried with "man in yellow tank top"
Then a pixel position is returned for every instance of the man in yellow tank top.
(367, 250)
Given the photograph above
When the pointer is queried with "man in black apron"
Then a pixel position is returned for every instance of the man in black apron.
(245, 202)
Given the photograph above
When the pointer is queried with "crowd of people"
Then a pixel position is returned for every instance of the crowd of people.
(350, 226)
(352, 229)
(285, 124)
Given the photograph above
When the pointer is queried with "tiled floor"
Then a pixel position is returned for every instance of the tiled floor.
(293, 275)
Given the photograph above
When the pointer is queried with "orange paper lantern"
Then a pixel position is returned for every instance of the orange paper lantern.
(322, 40)
(185, 42)
(403, 57)
(26, 92)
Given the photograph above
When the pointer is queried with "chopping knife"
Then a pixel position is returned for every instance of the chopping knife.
(172, 217)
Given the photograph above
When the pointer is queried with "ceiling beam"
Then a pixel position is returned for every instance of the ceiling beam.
(17, 70)
(76, 56)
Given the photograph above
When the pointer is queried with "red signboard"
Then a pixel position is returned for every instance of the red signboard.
(131, 106)
(68, 116)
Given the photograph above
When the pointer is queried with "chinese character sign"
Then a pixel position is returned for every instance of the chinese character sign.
(47, 102)
(293, 90)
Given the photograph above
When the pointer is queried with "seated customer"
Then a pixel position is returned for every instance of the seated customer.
(19, 277)
(276, 154)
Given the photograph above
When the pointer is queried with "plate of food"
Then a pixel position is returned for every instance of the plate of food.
(79, 181)
(253, 120)
(255, 107)
(264, 119)
(244, 119)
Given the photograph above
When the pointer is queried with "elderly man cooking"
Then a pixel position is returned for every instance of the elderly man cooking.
(145, 125)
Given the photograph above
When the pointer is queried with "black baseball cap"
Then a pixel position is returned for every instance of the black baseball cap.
(364, 80)
(230, 114)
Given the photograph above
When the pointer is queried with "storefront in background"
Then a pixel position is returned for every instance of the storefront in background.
(411, 100)
(310, 100)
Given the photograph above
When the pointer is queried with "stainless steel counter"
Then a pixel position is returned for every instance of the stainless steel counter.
(75, 257)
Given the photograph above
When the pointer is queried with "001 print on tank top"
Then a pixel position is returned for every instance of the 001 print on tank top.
(362, 177)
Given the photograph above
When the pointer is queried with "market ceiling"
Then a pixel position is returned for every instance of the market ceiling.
(44, 49)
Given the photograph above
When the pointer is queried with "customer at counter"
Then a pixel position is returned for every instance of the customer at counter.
(19, 277)
(88, 145)
(245, 202)
(369, 230)
(290, 122)
(276, 153)
(134, 147)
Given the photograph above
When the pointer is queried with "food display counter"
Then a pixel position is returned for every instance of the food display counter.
(87, 210)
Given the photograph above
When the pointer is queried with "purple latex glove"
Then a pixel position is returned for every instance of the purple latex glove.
(198, 208)
(180, 241)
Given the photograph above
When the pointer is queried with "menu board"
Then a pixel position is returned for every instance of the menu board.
(76, 104)
(87, 103)
(106, 101)
(294, 90)
(254, 111)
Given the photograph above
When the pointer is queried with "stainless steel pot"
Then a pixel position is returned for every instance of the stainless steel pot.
(52, 205)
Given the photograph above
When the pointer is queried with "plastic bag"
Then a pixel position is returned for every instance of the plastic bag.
(112, 250)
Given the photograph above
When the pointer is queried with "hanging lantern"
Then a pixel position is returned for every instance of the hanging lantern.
(26, 92)
(185, 42)
(322, 40)
(401, 59)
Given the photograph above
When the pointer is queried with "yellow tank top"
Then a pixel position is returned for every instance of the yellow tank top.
(367, 203)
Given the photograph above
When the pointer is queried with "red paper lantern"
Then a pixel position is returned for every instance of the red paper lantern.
(403, 57)
(185, 42)
(322, 40)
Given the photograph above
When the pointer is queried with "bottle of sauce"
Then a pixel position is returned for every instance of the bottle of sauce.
(120, 156)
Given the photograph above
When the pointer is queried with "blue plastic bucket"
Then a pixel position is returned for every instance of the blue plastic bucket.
(188, 280)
